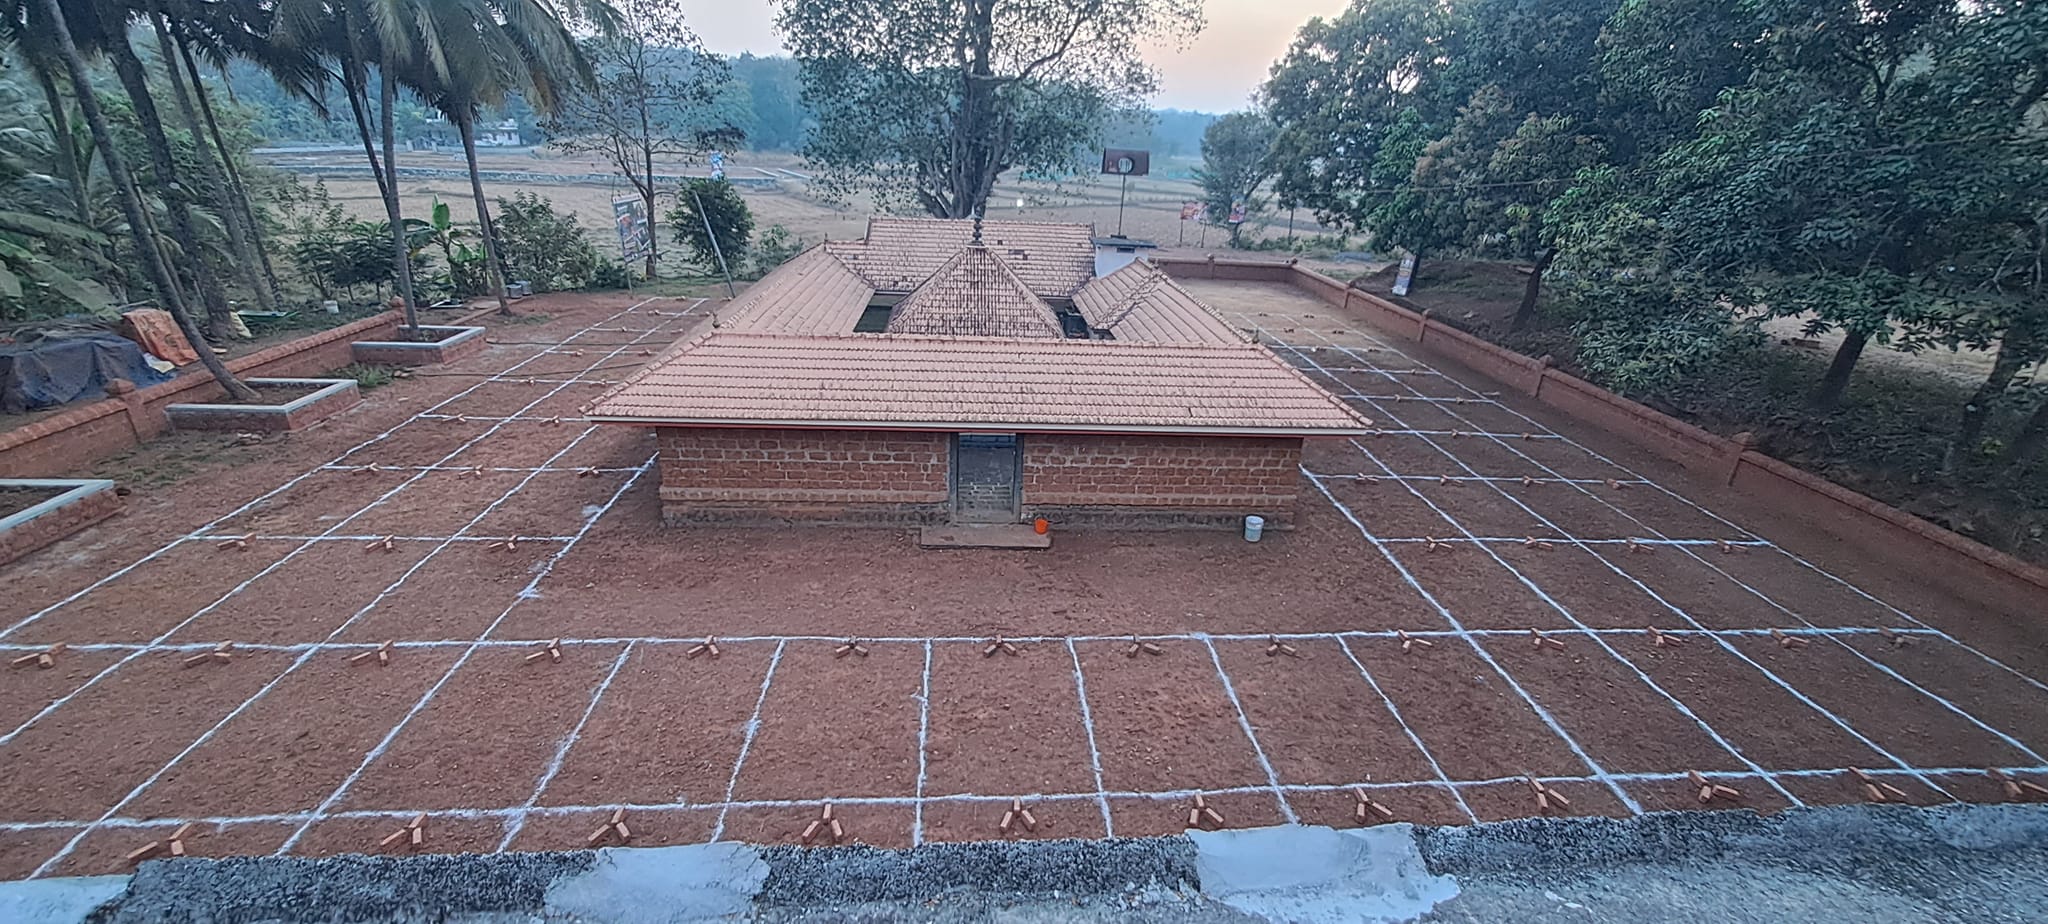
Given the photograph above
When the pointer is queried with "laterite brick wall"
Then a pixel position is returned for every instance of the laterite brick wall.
(861, 476)
(50, 527)
(73, 439)
(742, 475)
(1159, 480)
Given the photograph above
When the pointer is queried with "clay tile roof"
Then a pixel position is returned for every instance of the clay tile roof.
(894, 381)
(1053, 258)
(974, 295)
(814, 293)
(1139, 302)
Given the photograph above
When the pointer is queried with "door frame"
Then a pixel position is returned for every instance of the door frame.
(1016, 475)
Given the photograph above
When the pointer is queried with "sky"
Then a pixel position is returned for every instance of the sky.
(1217, 72)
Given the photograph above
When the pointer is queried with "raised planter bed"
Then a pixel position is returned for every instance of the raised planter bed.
(35, 512)
(300, 404)
(449, 344)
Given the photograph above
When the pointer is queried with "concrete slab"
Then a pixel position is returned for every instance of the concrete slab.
(983, 536)
(57, 901)
(661, 885)
(1314, 875)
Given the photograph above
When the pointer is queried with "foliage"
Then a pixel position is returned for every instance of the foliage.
(654, 99)
(549, 250)
(778, 245)
(930, 101)
(1236, 161)
(731, 222)
(367, 375)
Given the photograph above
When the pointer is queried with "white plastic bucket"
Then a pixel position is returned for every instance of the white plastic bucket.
(1254, 527)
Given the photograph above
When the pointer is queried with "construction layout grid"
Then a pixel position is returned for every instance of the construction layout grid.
(469, 633)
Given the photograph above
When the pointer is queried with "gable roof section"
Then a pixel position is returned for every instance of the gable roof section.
(1139, 302)
(974, 295)
(903, 382)
(1052, 258)
(814, 293)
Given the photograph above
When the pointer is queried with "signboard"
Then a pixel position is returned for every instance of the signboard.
(1237, 212)
(1190, 211)
(1126, 162)
(718, 165)
(1406, 276)
(635, 239)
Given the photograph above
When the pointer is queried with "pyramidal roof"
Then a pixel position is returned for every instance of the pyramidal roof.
(975, 294)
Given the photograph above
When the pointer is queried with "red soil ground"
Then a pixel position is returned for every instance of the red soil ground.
(291, 747)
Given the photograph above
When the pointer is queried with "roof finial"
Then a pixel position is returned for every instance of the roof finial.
(977, 227)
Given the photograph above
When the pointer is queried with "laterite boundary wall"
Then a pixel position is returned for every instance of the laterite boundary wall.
(1731, 461)
(70, 441)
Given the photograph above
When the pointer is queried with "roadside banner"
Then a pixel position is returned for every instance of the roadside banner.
(1237, 212)
(635, 239)
(1190, 211)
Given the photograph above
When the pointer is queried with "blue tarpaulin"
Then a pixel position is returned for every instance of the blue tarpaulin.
(55, 371)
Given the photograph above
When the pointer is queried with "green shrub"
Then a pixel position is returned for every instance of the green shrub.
(541, 247)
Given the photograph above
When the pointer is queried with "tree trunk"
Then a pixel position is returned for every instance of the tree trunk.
(387, 97)
(67, 147)
(131, 204)
(1527, 309)
(466, 125)
(1836, 381)
(227, 160)
(209, 171)
(128, 68)
(2026, 448)
(2014, 353)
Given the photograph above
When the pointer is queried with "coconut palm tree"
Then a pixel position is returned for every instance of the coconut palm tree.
(478, 52)
(57, 29)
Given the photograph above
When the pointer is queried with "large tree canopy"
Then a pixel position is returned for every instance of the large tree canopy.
(930, 101)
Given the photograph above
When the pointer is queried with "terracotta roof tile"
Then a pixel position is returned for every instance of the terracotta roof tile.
(1053, 258)
(974, 295)
(895, 381)
(1139, 302)
(814, 293)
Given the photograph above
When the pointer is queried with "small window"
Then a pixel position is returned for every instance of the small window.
(874, 320)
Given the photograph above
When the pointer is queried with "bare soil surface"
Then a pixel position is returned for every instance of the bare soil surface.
(1404, 606)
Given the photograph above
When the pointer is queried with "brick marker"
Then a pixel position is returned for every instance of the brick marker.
(382, 653)
(414, 833)
(1545, 796)
(823, 822)
(617, 824)
(44, 659)
(1018, 813)
(1202, 814)
(852, 646)
(552, 652)
(1897, 640)
(1709, 789)
(1541, 641)
(1363, 810)
(999, 645)
(1138, 645)
(1408, 642)
(381, 545)
(508, 544)
(708, 646)
(1432, 543)
(1877, 790)
(223, 652)
(1660, 640)
(1788, 641)
(233, 545)
(1274, 646)
(1535, 543)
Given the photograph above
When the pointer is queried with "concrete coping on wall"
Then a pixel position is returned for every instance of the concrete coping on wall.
(77, 491)
(451, 336)
(330, 397)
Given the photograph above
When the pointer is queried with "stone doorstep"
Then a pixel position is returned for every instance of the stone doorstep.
(983, 536)
(454, 343)
(335, 396)
(27, 530)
